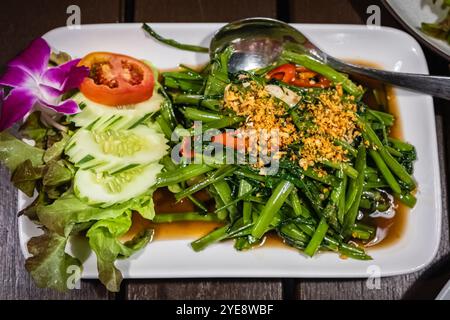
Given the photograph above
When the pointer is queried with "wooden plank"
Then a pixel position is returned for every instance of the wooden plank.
(230, 289)
(19, 24)
(336, 11)
(202, 10)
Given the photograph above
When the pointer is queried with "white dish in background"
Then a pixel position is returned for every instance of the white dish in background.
(413, 12)
(389, 48)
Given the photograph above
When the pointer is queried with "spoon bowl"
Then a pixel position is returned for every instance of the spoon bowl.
(257, 42)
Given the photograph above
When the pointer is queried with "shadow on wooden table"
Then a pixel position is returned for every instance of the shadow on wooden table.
(431, 282)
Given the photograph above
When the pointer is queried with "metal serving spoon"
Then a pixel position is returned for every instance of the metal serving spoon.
(259, 42)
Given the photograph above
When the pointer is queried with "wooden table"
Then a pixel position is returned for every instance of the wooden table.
(20, 22)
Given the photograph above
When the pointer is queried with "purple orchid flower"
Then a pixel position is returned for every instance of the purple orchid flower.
(36, 86)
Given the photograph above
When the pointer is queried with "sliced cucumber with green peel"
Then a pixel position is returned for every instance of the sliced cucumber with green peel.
(104, 189)
(115, 150)
(97, 116)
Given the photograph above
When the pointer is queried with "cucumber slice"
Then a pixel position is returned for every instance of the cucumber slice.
(102, 189)
(115, 150)
(101, 117)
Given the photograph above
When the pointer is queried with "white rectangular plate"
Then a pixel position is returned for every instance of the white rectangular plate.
(389, 48)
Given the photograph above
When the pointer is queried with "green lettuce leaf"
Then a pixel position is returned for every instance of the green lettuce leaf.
(104, 241)
(55, 151)
(53, 193)
(13, 152)
(109, 275)
(68, 210)
(25, 177)
(143, 205)
(56, 173)
(49, 264)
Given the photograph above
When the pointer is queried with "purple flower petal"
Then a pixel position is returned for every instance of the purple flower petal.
(66, 76)
(16, 77)
(15, 106)
(75, 78)
(48, 92)
(67, 106)
(33, 59)
(57, 76)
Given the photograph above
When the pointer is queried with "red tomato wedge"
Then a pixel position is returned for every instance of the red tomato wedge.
(116, 79)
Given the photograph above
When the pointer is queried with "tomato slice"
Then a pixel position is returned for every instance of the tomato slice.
(116, 79)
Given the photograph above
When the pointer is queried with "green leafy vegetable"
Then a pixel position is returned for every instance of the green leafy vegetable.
(56, 173)
(50, 264)
(34, 129)
(68, 210)
(218, 78)
(407, 159)
(104, 240)
(325, 70)
(57, 149)
(25, 177)
(13, 152)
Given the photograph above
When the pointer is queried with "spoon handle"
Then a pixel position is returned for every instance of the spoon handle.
(437, 86)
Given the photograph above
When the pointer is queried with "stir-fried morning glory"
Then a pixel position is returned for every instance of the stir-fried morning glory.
(334, 167)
